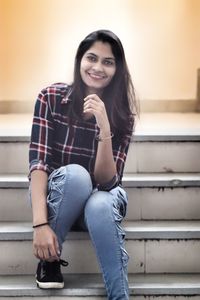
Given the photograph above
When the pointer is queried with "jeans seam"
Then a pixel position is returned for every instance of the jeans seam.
(117, 224)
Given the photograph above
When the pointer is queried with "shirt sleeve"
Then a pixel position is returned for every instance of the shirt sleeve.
(120, 151)
(40, 148)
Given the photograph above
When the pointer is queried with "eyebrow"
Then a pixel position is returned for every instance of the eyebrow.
(109, 58)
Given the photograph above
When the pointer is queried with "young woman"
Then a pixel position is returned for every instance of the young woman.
(79, 142)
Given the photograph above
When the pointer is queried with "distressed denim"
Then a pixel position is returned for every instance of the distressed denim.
(73, 201)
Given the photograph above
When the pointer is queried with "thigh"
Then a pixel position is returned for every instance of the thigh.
(102, 205)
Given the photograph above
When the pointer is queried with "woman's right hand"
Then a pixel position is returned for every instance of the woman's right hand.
(45, 243)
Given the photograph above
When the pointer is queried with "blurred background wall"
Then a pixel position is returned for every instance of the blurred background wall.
(39, 38)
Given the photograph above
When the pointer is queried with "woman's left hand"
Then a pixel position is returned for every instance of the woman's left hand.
(95, 106)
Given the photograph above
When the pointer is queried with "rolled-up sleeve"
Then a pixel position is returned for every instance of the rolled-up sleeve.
(40, 148)
(120, 151)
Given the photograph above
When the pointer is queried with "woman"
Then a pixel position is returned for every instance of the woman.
(80, 138)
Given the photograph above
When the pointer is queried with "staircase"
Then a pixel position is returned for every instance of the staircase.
(162, 178)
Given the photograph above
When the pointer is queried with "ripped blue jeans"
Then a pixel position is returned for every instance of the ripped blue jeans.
(72, 201)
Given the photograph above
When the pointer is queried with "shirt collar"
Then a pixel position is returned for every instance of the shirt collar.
(66, 97)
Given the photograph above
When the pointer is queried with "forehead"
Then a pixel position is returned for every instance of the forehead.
(102, 49)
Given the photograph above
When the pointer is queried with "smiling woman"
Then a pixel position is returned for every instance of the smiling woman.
(79, 143)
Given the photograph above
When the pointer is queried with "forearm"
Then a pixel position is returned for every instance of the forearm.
(105, 167)
(38, 196)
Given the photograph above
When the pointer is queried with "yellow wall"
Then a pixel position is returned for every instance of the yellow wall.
(38, 40)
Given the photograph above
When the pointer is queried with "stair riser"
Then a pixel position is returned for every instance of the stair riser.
(142, 157)
(14, 158)
(151, 256)
(163, 204)
(144, 203)
(163, 157)
(15, 205)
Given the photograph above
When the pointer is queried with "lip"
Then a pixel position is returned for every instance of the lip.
(96, 76)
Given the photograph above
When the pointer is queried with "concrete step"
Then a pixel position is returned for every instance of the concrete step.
(90, 286)
(151, 197)
(153, 247)
(143, 156)
(162, 143)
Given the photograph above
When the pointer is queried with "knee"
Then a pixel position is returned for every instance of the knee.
(75, 176)
(99, 206)
(80, 177)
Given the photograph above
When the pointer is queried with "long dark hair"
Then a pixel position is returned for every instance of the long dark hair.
(119, 96)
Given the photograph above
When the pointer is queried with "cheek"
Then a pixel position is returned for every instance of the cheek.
(112, 73)
(83, 67)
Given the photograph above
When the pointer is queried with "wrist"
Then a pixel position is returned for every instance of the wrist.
(101, 138)
(105, 132)
(40, 224)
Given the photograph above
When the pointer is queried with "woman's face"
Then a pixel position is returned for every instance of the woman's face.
(97, 67)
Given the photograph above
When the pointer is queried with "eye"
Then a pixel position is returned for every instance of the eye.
(91, 58)
(108, 62)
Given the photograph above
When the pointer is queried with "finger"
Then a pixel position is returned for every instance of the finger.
(90, 104)
(57, 246)
(40, 254)
(35, 252)
(93, 97)
(54, 249)
(52, 252)
(46, 253)
(89, 110)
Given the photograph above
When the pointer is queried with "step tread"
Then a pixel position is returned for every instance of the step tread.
(129, 180)
(150, 127)
(134, 230)
(92, 285)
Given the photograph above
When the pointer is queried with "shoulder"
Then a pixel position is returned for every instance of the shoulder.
(55, 94)
(58, 88)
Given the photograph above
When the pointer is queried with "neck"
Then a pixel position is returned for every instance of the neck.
(90, 91)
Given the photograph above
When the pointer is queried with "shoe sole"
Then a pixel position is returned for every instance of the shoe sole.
(50, 285)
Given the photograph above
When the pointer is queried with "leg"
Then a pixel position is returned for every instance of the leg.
(104, 212)
(69, 187)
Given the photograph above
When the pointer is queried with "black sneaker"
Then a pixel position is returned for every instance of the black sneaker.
(48, 275)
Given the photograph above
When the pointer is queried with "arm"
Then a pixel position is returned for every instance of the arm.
(38, 191)
(105, 166)
(45, 243)
(44, 239)
(111, 156)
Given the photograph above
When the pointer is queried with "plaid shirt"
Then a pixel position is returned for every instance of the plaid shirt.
(58, 140)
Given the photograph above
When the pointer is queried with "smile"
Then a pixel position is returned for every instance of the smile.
(96, 76)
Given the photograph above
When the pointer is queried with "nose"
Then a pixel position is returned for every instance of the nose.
(97, 67)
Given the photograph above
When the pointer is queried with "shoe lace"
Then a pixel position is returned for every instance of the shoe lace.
(54, 267)
(63, 262)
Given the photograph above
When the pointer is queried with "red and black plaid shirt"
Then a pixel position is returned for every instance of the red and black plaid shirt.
(58, 140)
